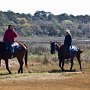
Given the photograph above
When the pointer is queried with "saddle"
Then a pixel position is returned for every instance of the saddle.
(70, 51)
(73, 48)
(15, 46)
(7, 52)
(8, 48)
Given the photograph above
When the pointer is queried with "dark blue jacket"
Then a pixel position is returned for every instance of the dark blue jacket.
(68, 40)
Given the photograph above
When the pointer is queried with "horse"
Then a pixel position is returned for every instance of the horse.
(62, 55)
(21, 53)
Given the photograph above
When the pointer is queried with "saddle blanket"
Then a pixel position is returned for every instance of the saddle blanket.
(14, 47)
(15, 44)
(73, 48)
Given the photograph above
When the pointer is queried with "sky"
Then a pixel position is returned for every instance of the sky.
(74, 7)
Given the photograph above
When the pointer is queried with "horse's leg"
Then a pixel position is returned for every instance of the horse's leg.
(20, 69)
(7, 66)
(71, 64)
(79, 61)
(61, 64)
(21, 65)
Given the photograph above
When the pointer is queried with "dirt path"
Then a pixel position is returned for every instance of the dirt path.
(46, 81)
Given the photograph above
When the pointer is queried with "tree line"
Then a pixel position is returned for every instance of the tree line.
(45, 23)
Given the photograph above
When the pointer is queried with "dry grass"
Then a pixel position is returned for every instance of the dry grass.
(46, 81)
(45, 77)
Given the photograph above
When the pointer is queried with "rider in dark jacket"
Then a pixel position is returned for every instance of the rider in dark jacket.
(68, 40)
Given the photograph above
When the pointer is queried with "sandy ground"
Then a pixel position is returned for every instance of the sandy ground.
(55, 80)
(46, 81)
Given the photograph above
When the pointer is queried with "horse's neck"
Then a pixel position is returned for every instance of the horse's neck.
(60, 48)
(57, 47)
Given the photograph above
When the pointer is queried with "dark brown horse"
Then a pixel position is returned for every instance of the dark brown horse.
(20, 54)
(62, 54)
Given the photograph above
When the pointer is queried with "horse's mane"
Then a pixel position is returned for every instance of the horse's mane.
(58, 43)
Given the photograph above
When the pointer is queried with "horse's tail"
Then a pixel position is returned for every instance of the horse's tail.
(26, 58)
(26, 54)
(80, 50)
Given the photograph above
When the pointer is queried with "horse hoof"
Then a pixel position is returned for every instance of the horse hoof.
(63, 69)
(10, 73)
(70, 69)
(81, 70)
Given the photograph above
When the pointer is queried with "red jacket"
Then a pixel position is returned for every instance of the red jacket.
(9, 35)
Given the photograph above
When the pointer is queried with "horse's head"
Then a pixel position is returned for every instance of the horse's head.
(54, 45)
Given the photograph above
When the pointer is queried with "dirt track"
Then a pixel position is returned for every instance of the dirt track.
(45, 81)
(53, 80)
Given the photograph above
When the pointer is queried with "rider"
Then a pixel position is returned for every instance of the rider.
(68, 41)
(9, 36)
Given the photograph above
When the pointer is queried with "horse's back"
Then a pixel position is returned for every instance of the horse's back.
(70, 52)
(75, 49)
(22, 45)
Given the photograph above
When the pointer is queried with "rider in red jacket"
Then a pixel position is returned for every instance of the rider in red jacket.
(9, 37)
(10, 34)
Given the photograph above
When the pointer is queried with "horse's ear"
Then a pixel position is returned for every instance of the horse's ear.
(50, 42)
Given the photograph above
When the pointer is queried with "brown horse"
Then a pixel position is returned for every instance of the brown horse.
(62, 54)
(20, 54)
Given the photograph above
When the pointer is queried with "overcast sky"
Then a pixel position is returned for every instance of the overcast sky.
(75, 7)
